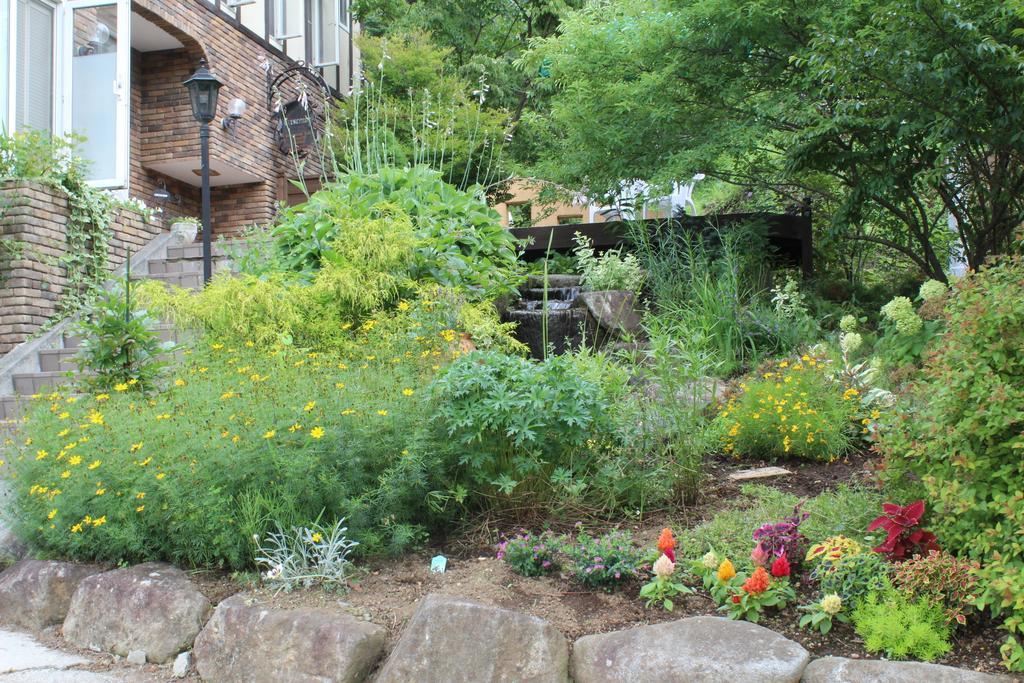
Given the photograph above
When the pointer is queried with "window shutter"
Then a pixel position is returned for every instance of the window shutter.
(34, 66)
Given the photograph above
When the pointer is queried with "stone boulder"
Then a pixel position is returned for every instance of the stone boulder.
(150, 607)
(35, 594)
(614, 311)
(841, 670)
(694, 649)
(450, 640)
(245, 642)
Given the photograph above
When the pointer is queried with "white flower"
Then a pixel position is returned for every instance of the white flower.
(710, 560)
(931, 289)
(850, 342)
(831, 604)
(664, 567)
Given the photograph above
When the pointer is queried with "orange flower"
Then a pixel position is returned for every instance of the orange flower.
(726, 571)
(758, 582)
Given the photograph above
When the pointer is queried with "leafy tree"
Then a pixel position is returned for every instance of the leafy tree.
(899, 111)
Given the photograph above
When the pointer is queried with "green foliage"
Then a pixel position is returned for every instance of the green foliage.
(609, 271)
(892, 623)
(530, 555)
(35, 155)
(794, 409)
(241, 440)
(821, 615)
(660, 591)
(413, 111)
(120, 347)
(893, 112)
(459, 241)
(606, 561)
(942, 580)
(958, 434)
(853, 577)
(527, 433)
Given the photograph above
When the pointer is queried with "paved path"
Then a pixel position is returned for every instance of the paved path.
(24, 660)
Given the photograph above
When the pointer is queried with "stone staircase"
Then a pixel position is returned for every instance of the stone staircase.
(52, 364)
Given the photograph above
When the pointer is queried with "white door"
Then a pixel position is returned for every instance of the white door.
(96, 52)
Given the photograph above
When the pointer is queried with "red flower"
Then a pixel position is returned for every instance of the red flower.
(736, 599)
(667, 544)
(780, 567)
(758, 582)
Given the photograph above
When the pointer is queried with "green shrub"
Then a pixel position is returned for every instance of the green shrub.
(606, 561)
(530, 555)
(120, 348)
(959, 433)
(609, 271)
(854, 577)
(459, 240)
(527, 433)
(795, 409)
(891, 623)
(241, 440)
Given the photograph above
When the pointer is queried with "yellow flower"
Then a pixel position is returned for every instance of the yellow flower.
(726, 571)
(228, 394)
(40, 454)
(136, 447)
(202, 370)
(161, 475)
(163, 416)
(236, 438)
(316, 538)
(100, 522)
(339, 385)
(94, 464)
(216, 347)
(295, 427)
(342, 366)
(121, 387)
(403, 305)
(348, 411)
(65, 474)
(64, 432)
(407, 392)
(75, 460)
(179, 382)
(850, 393)
(72, 399)
(146, 462)
(382, 413)
(53, 513)
(448, 335)
(77, 528)
(102, 397)
(140, 508)
(316, 432)
(133, 381)
(309, 406)
(270, 434)
(63, 416)
(140, 495)
(368, 325)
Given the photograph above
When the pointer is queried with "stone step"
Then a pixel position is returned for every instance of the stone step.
(31, 383)
(57, 360)
(195, 250)
(12, 407)
(184, 280)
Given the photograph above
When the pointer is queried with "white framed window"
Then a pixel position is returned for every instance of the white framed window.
(327, 37)
(31, 66)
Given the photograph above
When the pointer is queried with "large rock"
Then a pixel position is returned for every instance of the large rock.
(150, 607)
(694, 649)
(35, 594)
(450, 640)
(245, 642)
(840, 670)
(614, 311)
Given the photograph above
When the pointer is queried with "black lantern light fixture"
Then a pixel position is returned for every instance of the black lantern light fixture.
(203, 88)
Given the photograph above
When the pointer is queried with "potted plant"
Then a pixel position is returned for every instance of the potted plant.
(612, 283)
(183, 230)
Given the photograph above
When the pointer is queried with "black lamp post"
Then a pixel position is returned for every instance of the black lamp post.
(203, 87)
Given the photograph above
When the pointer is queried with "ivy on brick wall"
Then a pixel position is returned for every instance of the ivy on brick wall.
(51, 160)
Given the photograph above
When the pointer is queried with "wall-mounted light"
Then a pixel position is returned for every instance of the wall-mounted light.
(162, 194)
(236, 110)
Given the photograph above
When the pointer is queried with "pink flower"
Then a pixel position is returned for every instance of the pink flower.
(759, 556)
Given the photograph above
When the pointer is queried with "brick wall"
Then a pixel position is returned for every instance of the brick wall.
(163, 128)
(34, 218)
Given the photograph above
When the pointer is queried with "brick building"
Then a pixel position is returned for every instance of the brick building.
(112, 70)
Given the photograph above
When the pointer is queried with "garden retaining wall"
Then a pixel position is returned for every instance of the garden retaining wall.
(34, 224)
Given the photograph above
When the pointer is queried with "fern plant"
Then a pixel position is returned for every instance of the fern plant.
(902, 628)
